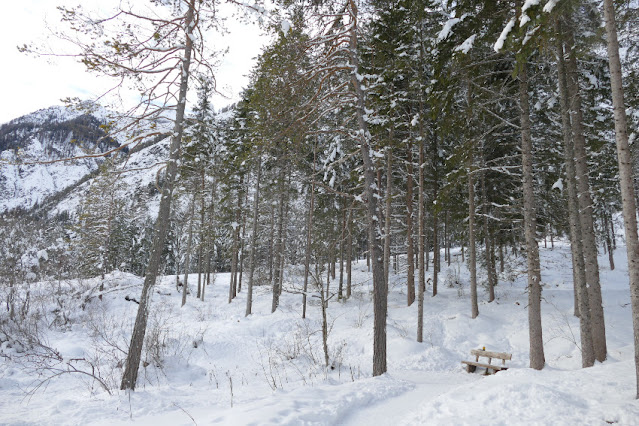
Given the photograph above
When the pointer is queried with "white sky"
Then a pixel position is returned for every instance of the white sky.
(28, 84)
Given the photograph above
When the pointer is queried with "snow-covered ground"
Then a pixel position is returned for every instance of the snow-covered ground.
(212, 365)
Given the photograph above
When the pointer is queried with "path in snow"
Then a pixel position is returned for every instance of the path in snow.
(427, 386)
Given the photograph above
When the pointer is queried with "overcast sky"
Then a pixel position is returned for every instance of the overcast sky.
(28, 84)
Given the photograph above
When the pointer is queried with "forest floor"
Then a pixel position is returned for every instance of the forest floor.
(206, 363)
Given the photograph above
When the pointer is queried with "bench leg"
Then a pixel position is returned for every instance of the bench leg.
(471, 368)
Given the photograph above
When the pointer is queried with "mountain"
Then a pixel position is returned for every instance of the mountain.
(33, 149)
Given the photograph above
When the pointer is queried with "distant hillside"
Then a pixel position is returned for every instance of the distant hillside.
(32, 146)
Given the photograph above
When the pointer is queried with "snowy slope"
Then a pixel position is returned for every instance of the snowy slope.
(31, 171)
(32, 146)
(137, 176)
(214, 366)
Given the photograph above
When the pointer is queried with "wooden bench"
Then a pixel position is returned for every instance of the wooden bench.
(471, 366)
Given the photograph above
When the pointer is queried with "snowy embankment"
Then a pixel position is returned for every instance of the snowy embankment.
(208, 364)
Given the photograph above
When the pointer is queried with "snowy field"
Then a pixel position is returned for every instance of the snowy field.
(208, 364)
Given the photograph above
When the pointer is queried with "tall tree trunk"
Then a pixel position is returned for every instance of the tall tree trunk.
(342, 242)
(421, 281)
(582, 306)
(490, 265)
(472, 251)
(410, 251)
(130, 376)
(309, 234)
(609, 231)
(625, 171)
(436, 249)
(236, 247)
(271, 244)
(380, 292)
(585, 204)
(189, 245)
(207, 268)
(447, 237)
(256, 217)
(387, 214)
(426, 241)
(279, 240)
(200, 246)
(349, 251)
(537, 358)
(242, 245)
(283, 244)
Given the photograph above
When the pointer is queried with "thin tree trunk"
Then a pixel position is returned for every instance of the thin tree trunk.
(582, 308)
(490, 265)
(342, 242)
(236, 246)
(207, 266)
(130, 376)
(421, 281)
(242, 245)
(436, 249)
(200, 247)
(426, 241)
(256, 217)
(349, 250)
(387, 215)
(585, 205)
(309, 234)
(537, 358)
(380, 292)
(283, 246)
(324, 300)
(609, 231)
(410, 252)
(447, 237)
(271, 243)
(279, 241)
(625, 172)
(472, 255)
(189, 245)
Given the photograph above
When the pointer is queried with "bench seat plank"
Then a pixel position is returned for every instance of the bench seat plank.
(490, 366)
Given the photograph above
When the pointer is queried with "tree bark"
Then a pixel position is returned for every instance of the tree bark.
(607, 219)
(490, 264)
(537, 358)
(279, 241)
(472, 251)
(189, 245)
(410, 251)
(309, 235)
(342, 242)
(387, 215)
(436, 250)
(242, 245)
(447, 237)
(625, 171)
(582, 306)
(200, 247)
(421, 281)
(584, 199)
(349, 251)
(256, 217)
(130, 375)
(380, 292)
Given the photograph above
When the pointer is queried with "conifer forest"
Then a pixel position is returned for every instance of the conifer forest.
(400, 182)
